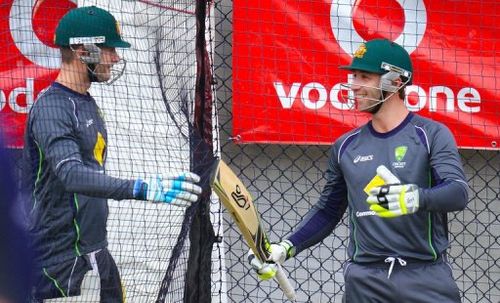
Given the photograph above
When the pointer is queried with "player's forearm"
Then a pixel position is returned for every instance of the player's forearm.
(448, 196)
(316, 225)
(320, 221)
(313, 231)
(78, 178)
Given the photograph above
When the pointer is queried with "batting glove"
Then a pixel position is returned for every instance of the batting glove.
(264, 270)
(393, 200)
(278, 253)
(177, 189)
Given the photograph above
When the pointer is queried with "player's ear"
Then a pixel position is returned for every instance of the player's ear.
(79, 51)
(398, 82)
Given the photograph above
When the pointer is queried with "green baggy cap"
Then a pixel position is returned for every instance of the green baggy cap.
(89, 24)
(371, 56)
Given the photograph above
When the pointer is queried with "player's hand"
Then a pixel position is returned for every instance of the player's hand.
(177, 189)
(393, 199)
(264, 270)
(280, 252)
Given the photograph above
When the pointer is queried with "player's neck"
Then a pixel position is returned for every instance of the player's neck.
(74, 78)
(390, 115)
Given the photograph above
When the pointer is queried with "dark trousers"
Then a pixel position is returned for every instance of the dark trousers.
(65, 279)
(417, 282)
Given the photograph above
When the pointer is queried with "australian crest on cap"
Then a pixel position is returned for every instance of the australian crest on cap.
(360, 52)
(118, 28)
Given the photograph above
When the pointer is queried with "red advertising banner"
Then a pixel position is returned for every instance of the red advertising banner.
(286, 56)
(29, 62)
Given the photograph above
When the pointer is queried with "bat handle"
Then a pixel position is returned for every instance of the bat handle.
(285, 284)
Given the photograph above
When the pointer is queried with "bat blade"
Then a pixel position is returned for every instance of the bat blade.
(237, 200)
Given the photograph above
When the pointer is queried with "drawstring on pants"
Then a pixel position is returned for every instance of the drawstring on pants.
(93, 261)
(392, 260)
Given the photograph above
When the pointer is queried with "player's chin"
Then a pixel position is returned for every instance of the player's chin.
(364, 110)
(369, 109)
(362, 106)
(103, 77)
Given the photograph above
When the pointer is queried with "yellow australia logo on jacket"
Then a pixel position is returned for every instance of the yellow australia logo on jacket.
(100, 149)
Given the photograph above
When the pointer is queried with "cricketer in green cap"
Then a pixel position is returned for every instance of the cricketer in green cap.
(390, 62)
(92, 33)
(89, 25)
(397, 175)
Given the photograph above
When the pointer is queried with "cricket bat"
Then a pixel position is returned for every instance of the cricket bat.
(238, 201)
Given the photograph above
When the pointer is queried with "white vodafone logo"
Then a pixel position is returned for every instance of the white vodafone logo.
(21, 27)
(349, 40)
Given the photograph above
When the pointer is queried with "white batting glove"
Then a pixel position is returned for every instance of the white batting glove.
(177, 189)
(264, 270)
(280, 252)
(393, 199)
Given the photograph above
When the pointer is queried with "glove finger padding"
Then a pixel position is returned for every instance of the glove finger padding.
(176, 185)
(264, 270)
(386, 175)
(394, 200)
(183, 176)
(177, 189)
(384, 200)
(180, 198)
(388, 189)
(384, 212)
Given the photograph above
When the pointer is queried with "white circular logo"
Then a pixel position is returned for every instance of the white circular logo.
(349, 40)
(21, 28)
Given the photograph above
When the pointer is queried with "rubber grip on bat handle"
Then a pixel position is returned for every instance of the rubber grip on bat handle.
(285, 284)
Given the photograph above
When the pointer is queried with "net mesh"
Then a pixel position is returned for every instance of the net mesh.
(286, 180)
(148, 112)
(153, 138)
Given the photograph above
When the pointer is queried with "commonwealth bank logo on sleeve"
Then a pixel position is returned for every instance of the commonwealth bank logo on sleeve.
(399, 155)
